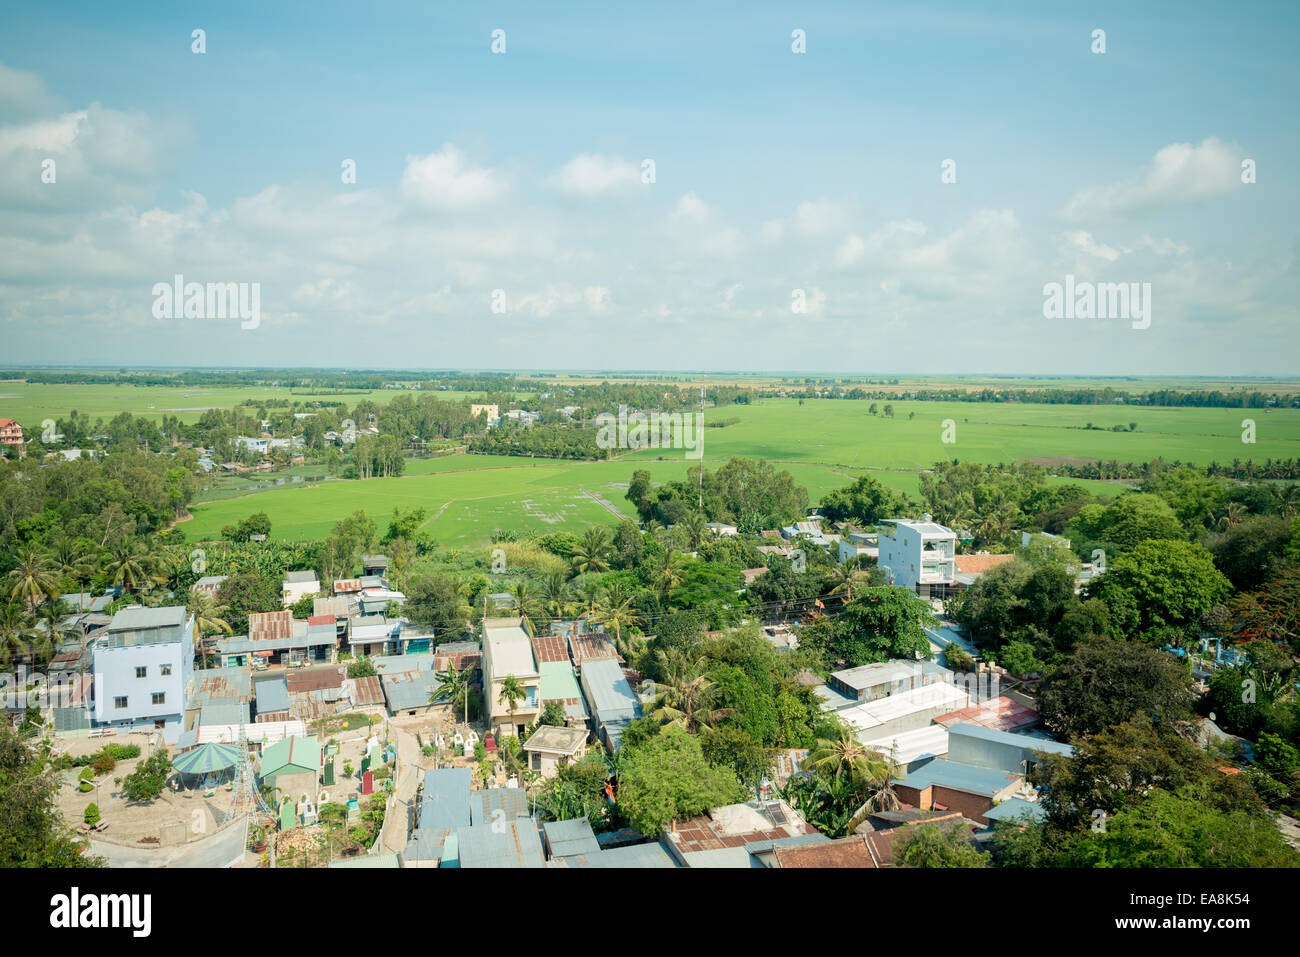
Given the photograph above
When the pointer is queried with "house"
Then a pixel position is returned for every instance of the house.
(904, 711)
(968, 568)
(508, 653)
(209, 584)
(851, 851)
(142, 667)
(1001, 714)
(918, 556)
(444, 808)
(11, 435)
(882, 679)
(298, 585)
(272, 696)
(737, 835)
(409, 692)
(508, 844)
(574, 844)
(276, 638)
(984, 747)
(374, 565)
(947, 785)
(251, 443)
(613, 703)
(551, 748)
(293, 765)
(490, 413)
(721, 528)
(560, 683)
(370, 635)
(850, 548)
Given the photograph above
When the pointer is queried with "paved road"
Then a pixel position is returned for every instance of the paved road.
(223, 849)
(408, 779)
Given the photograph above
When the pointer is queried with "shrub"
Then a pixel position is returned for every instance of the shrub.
(103, 763)
(91, 816)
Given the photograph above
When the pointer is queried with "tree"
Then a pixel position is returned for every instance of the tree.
(936, 845)
(882, 623)
(32, 579)
(435, 602)
(454, 686)
(1105, 683)
(865, 502)
(553, 714)
(149, 778)
(666, 778)
(1115, 769)
(1160, 587)
(1184, 828)
(512, 692)
(685, 696)
(32, 832)
(592, 553)
(247, 593)
(867, 771)
(362, 668)
(133, 563)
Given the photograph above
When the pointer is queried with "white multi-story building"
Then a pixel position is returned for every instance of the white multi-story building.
(508, 653)
(918, 556)
(142, 667)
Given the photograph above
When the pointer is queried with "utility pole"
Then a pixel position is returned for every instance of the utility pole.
(701, 435)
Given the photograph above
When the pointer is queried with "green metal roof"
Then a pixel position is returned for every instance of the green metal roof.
(291, 756)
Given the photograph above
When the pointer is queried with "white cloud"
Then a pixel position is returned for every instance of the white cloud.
(1083, 241)
(447, 180)
(1179, 173)
(590, 174)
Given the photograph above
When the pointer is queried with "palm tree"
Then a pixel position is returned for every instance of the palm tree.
(555, 595)
(33, 577)
(845, 758)
(686, 697)
(454, 687)
(132, 563)
(208, 614)
(616, 611)
(528, 605)
(512, 692)
(17, 634)
(670, 571)
(72, 561)
(592, 593)
(51, 628)
(1232, 515)
(694, 529)
(592, 553)
(845, 578)
(1288, 499)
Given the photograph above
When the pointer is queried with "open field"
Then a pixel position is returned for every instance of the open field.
(476, 495)
(824, 443)
(841, 432)
(30, 402)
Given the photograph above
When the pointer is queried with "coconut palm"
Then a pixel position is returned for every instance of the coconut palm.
(71, 560)
(617, 612)
(592, 553)
(208, 614)
(1288, 499)
(33, 577)
(17, 632)
(845, 758)
(694, 530)
(555, 595)
(454, 687)
(133, 563)
(512, 692)
(844, 577)
(669, 571)
(592, 593)
(529, 606)
(686, 697)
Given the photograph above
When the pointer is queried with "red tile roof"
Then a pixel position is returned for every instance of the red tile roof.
(979, 564)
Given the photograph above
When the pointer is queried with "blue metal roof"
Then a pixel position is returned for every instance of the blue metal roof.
(1016, 807)
(446, 798)
(963, 777)
(272, 695)
(517, 844)
(1007, 737)
(567, 838)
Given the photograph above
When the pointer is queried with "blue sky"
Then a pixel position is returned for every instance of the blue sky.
(775, 172)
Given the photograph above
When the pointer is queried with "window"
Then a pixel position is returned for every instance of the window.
(160, 697)
(166, 670)
(119, 702)
(160, 724)
(141, 671)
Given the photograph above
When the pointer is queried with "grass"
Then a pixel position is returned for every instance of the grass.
(825, 444)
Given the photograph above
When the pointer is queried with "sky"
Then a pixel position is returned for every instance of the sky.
(662, 186)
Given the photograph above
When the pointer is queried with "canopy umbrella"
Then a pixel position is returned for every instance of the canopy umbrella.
(207, 758)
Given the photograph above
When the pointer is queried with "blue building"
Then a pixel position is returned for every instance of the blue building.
(142, 668)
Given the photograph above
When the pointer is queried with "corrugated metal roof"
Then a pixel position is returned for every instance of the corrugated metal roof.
(484, 805)
(272, 695)
(963, 777)
(566, 838)
(608, 691)
(445, 804)
(270, 625)
(518, 844)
